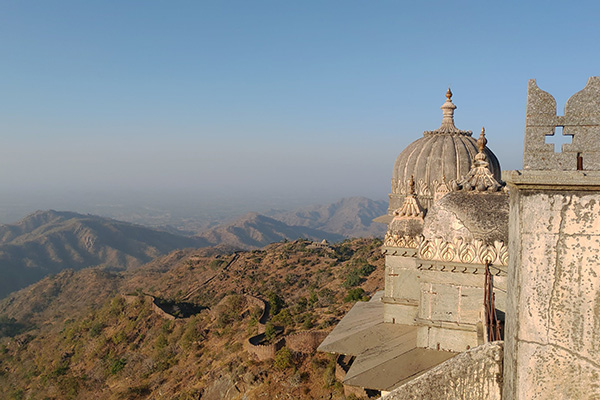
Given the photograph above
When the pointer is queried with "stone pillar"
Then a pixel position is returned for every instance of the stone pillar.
(552, 338)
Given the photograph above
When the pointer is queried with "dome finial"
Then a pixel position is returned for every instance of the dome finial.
(448, 127)
(482, 141)
(448, 115)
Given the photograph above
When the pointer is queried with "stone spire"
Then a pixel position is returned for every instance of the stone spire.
(448, 126)
(441, 189)
(411, 207)
(480, 177)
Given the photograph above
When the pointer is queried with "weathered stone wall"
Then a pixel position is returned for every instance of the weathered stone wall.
(162, 313)
(401, 290)
(473, 375)
(264, 351)
(301, 342)
(553, 327)
(305, 342)
(452, 308)
(253, 301)
(553, 307)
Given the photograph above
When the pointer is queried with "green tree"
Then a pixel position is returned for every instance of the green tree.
(276, 303)
(356, 294)
(352, 279)
(284, 359)
(283, 318)
(270, 331)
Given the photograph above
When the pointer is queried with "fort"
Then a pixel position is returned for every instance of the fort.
(301, 342)
(492, 279)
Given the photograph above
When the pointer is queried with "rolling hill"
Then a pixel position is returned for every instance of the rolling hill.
(47, 242)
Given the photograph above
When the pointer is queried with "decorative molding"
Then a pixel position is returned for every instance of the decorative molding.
(421, 187)
(461, 251)
(475, 269)
(441, 189)
(396, 240)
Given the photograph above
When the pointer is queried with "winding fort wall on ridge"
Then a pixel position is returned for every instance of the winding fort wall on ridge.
(301, 342)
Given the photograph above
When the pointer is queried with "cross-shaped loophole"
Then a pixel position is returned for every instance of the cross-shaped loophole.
(558, 139)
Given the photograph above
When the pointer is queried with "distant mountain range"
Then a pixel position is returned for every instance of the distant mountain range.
(47, 242)
(349, 217)
(254, 231)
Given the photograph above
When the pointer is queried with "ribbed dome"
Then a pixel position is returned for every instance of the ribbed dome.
(433, 157)
(446, 153)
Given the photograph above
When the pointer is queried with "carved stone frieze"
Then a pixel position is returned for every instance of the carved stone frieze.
(421, 187)
(398, 240)
(461, 251)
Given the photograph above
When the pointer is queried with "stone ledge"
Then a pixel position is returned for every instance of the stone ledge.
(553, 180)
(447, 325)
(406, 302)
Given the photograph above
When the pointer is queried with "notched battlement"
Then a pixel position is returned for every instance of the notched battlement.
(581, 121)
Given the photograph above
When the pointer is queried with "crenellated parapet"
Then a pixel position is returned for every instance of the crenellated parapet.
(581, 121)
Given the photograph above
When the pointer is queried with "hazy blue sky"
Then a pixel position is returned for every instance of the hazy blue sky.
(311, 100)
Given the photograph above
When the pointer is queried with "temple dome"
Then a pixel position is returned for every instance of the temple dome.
(443, 154)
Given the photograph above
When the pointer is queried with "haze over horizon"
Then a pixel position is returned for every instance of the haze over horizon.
(236, 104)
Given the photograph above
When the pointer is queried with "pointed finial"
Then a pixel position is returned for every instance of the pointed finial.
(479, 178)
(411, 185)
(448, 127)
(482, 141)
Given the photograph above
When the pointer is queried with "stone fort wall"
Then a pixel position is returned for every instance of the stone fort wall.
(159, 311)
(301, 342)
(263, 351)
(305, 342)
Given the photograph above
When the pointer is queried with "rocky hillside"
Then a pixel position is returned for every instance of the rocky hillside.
(96, 334)
(47, 242)
(349, 217)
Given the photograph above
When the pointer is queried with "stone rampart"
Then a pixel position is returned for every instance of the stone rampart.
(263, 351)
(301, 342)
(159, 311)
(305, 342)
(473, 375)
(253, 301)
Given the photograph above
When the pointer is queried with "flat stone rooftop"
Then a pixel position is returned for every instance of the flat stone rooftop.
(386, 354)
